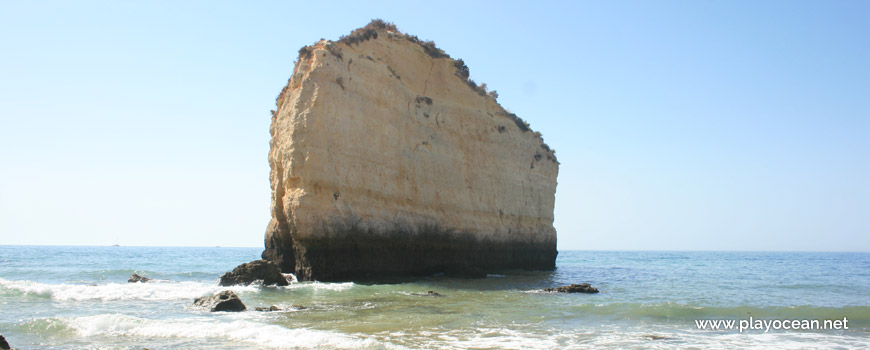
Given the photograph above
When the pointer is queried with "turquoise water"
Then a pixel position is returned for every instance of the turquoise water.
(77, 297)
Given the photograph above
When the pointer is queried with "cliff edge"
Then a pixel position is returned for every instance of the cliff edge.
(386, 160)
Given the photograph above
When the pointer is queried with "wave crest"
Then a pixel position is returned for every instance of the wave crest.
(235, 330)
(159, 291)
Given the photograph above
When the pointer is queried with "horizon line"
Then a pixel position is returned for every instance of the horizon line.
(576, 250)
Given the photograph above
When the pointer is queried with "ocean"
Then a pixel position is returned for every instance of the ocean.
(58, 297)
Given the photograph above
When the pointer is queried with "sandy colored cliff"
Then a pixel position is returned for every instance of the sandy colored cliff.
(387, 161)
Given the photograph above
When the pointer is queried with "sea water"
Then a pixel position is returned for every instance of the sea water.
(79, 298)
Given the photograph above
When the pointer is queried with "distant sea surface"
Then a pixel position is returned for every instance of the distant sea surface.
(78, 298)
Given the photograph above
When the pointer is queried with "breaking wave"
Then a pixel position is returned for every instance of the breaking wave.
(152, 291)
(233, 329)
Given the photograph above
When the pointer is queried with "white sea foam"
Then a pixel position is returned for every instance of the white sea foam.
(322, 286)
(234, 328)
(118, 291)
(290, 277)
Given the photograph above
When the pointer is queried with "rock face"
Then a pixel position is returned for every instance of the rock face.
(247, 273)
(386, 160)
(574, 288)
(223, 301)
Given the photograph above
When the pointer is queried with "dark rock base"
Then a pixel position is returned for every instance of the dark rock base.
(354, 254)
(279, 246)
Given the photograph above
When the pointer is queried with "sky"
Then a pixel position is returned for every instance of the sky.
(679, 125)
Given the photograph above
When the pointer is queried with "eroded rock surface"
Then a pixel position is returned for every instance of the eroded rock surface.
(386, 160)
(247, 273)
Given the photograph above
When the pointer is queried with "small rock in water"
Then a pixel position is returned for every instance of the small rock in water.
(136, 278)
(268, 309)
(223, 301)
(574, 288)
(430, 293)
(247, 273)
(3, 344)
(656, 337)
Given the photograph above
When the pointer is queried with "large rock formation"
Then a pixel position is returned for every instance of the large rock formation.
(386, 160)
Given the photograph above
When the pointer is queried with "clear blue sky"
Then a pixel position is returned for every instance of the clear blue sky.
(699, 125)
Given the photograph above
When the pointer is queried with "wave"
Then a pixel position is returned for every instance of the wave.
(321, 286)
(290, 277)
(232, 328)
(152, 291)
(114, 275)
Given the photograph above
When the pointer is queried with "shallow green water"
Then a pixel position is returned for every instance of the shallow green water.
(77, 297)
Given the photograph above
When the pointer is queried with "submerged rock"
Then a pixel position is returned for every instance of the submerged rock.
(268, 309)
(247, 273)
(136, 278)
(574, 288)
(430, 293)
(3, 344)
(223, 301)
(656, 337)
(387, 161)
